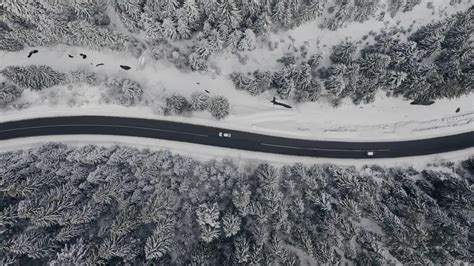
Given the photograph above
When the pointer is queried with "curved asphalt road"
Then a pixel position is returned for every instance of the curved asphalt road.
(240, 140)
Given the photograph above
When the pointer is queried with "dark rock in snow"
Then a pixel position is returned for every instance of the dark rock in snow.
(32, 52)
(70, 56)
(422, 103)
(84, 56)
(125, 67)
(198, 83)
(274, 101)
(457, 110)
(207, 91)
(101, 64)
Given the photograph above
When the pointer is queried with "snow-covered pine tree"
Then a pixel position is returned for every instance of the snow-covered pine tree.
(312, 9)
(310, 93)
(219, 107)
(263, 80)
(197, 61)
(9, 93)
(365, 9)
(168, 8)
(242, 250)
(393, 79)
(34, 77)
(248, 42)
(199, 101)
(343, 53)
(69, 232)
(33, 244)
(193, 13)
(229, 14)
(159, 243)
(176, 104)
(122, 247)
(428, 38)
(183, 26)
(373, 65)
(131, 91)
(334, 85)
(10, 44)
(169, 30)
(230, 224)
(74, 254)
(207, 216)
(84, 76)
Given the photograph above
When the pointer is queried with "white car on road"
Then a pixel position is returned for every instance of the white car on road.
(370, 153)
(225, 135)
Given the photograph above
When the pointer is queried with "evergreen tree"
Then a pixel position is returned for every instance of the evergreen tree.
(343, 53)
(365, 9)
(229, 14)
(373, 65)
(248, 42)
(182, 27)
(244, 82)
(334, 85)
(208, 220)
(10, 45)
(313, 9)
(176, 104)
(160, 242)
(199, 101)
(34, 77)
(197, 61)
(309, 93)
(394, 79)
(428, 38)
(74, 254)
(263, 81)
(168, 28)
(9, 93)
(230, 224)
(219, 107)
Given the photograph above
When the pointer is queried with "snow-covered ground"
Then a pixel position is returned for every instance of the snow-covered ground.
(385, 119)
(244, 158)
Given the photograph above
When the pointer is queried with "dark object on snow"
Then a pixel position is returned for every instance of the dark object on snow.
(207, 91)
(457, 110)
(422, 103)
(278, 103)
(198, 83)
(125, 67)
(84, 56)
(32, 52)
(70, 56)
(101, 64)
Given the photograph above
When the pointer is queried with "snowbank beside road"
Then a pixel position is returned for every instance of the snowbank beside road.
(386, 119)
(204, 153)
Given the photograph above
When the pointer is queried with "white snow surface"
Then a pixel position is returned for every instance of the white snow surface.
(385, 119)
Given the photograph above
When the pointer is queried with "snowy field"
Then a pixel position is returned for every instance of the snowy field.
(385, 119)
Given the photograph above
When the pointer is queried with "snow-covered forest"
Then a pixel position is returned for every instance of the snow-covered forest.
(430, 63)
(75, 205)
(433, 62)
(219, 63)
